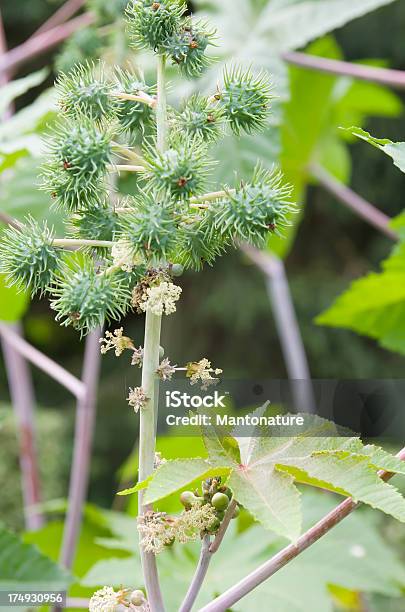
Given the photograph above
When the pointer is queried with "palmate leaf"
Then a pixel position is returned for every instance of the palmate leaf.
(262, 475)
(352, 556)
(395, 150)
(23, 566)
(374, 305)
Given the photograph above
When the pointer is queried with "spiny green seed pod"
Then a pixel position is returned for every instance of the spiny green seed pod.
(246, 99)
(85, 298)
(150, 228)
(181, 170)
(220, 501)
(255, 209)
(187, 47)
(27, 256)
(107, 12)
(83, 45)
(133, 115)
(95, 224)
(197, 244)
(150, 23)
(69, 193)
(85, 90)
(80, 153)
(200, 118)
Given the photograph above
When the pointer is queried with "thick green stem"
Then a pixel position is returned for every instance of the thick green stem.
(149, 414)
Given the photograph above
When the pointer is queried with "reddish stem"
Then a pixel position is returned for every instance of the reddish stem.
(386, 76)
(43, 42)
(352, 200)
(65, 12)
(22, 397)
(85, 417)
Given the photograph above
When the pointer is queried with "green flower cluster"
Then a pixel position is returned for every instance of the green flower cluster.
(171, 223)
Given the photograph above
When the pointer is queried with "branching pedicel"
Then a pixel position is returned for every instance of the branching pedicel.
(131, 251)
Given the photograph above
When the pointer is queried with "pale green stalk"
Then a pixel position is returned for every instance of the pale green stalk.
(148, 414)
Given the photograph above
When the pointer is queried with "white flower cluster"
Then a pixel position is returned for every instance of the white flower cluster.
(108, 600)
(115, 341)
(158, 530)
(201, 371)
(161, 298)
(165, 369)
(137, 398)
(104, 600)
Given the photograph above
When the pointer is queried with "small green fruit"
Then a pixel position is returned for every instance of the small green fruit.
(220, 501)
(137, 598)
(187, 498)
(177, 270)
(214, 526)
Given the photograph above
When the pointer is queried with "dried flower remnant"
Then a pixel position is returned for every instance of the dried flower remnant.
(159, 460)
(191, 523)
(165, 370)
(156, 531)
(116, 341)
(161, 299)
(137, 398)
(201, 371)
(137, 357)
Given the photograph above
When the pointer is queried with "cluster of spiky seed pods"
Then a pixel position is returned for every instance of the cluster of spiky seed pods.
(108, 116)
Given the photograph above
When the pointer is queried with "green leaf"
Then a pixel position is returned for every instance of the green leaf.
(271, 498)
(23, 566)
(263, 478)
(374, 305)
(13, 303)
(174, 475)
(395, 150)
(17, 88)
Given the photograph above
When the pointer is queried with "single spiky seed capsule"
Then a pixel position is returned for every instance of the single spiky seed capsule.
(187, 47)
(150, 23)
(27, 256)
(246, 100)
(199, 118)
(86, 298)
(180, 171)
(86, 91)
(150, 227)
(220, 501)
(247, 213)
(137, 598)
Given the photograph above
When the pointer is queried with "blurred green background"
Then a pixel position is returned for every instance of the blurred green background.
(226, 315)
